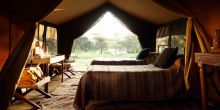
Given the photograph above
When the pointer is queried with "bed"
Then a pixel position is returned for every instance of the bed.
(128, 61)
(130, 82)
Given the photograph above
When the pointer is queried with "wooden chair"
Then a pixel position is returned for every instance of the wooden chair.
(31, 80)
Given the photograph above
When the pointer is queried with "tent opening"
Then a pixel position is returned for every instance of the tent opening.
(108, 38)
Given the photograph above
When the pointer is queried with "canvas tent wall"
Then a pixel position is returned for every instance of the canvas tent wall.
(17, 22)
(199, 34)
(202, 16)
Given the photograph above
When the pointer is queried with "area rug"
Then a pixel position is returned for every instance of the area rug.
(63, 94)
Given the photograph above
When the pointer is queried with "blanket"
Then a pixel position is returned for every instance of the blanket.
(130, 82)
(125, 61)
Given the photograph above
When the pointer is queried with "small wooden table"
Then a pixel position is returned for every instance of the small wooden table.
(206, 59)
(46, 61)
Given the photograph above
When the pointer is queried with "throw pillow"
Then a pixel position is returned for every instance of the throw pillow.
(165, 59)
(143, 54)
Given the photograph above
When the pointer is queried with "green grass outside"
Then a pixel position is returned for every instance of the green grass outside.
(85, 58)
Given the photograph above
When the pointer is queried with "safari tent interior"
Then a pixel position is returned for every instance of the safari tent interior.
(197, 20)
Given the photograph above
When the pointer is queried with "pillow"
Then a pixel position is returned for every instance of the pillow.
(143, 54)
(166, 58)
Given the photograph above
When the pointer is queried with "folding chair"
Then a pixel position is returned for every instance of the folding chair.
(31, 79)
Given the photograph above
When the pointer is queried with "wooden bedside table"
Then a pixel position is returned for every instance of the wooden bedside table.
(206, 59)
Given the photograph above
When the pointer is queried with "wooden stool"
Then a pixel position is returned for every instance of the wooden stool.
(66, 68)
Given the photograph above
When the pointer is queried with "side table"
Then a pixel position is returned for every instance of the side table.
(205, 59)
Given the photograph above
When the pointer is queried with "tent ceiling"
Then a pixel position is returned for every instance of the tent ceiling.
(145, 9)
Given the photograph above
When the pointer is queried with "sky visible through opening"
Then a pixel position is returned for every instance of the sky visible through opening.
(108, 26)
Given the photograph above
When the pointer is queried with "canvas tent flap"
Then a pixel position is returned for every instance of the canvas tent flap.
(177, 27)
(74, 28)
(21, 16)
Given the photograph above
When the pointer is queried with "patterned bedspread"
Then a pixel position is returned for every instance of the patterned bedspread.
(133, 82)
(125, 61)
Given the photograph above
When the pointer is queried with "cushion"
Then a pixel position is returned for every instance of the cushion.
(143, 54)
(166, 58)
(29, 76)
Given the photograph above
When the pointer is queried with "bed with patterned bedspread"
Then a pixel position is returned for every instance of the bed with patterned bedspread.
(130, 82)
(125, 61)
